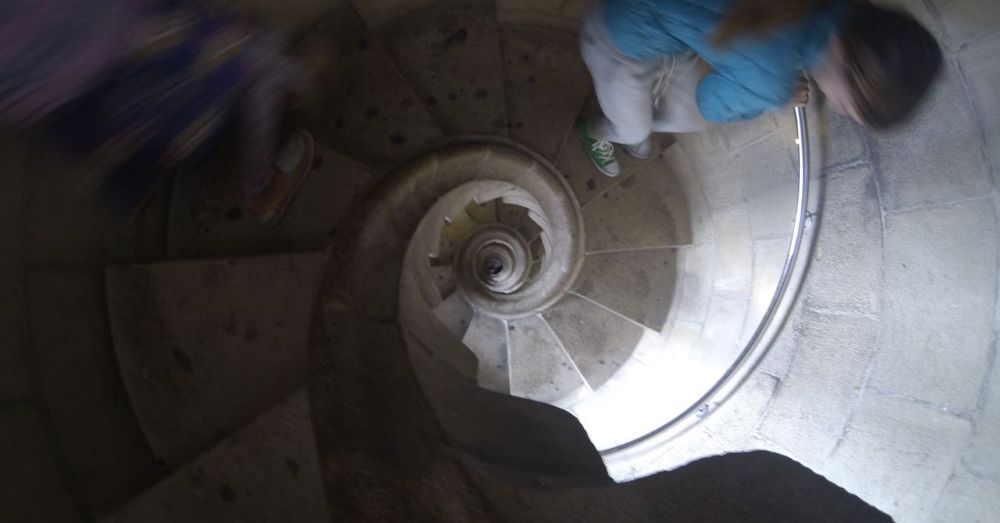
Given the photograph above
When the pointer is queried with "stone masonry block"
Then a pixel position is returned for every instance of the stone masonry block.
(897, 455)
(847, 260)
(967, 20)
(734, 421)
(813, 403)
(968, 498)
(980, 65)
(770, 180)
(30, 483)
(937, 314)
(983, 456)
(937, 156)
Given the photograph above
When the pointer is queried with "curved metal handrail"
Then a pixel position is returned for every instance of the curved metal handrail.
(772, 308)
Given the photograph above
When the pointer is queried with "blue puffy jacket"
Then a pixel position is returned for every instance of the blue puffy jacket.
(749, 76)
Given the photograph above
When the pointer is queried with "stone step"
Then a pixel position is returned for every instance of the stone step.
(540, 368)
(267, 471)
(598, 340)
(105, 456)
(585, 180)
(372, 113)
(450, 53)
(487, 339)
(545, 82)
(204, 346)
(208, 217)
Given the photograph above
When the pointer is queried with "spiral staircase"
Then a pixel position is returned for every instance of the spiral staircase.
(475, 268)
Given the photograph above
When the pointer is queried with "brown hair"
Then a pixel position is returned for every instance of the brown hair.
(892, 61)
(757, 18)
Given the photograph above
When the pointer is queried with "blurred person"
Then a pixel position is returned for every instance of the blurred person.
(674, 65)
(140, 87)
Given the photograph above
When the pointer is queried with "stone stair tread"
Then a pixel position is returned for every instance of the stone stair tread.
(597, 339)
(660, 217)
(372, 112)
(540, 369)
(487, 339)
(105, 459)
(546, 83)
(208, 218)
(637, 284)
(268, 470)
(206, 345)
(583, 178)
(450, 53)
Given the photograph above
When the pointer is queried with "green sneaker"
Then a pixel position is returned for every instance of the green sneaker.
(602, 153)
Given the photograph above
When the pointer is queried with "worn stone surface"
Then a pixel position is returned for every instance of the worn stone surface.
(940, 288)
(770, 186)
(267, 471)
(540, 368)
(545, 83)
(967, 20)
(487, 339)
(208, 215)
(768, 260)
(968, 498)
(32, 484)
(937, 156)
(721, 339)
(846, 266)
(451, 53)
(636, 284)
(658, 218)
(13, 369)
(695, 270)
(983, 456)
(733, 249)
(79, 383)
(598, 340)
(204, 346)
(721, 181)
(372, 113)
(980, 64)
(733, 422)
(738, 135)
(905, 477)
(815, 400)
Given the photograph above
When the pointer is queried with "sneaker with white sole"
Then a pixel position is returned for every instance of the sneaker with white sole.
(601, 153)
(642, 150)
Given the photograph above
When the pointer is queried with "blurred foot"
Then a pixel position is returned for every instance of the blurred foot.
(642, 150)
(291, 166)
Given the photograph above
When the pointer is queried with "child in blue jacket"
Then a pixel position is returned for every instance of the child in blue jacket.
(659, 66)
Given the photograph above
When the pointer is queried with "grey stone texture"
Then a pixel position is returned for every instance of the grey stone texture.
(545, 84)
(205, 346)
(208, 217)
(898, 455)
(938, 155)
(771, 184)
(940, 291)
(597, 339)
(968, 498)
(982, 458)
(372, 113)
(266, 471)
(980, 64)
(452, 53)
(636, 284)
(540, 368)
(86, 405)
(845, 272)
(658, 218)
(814, 402)
(32, 484)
